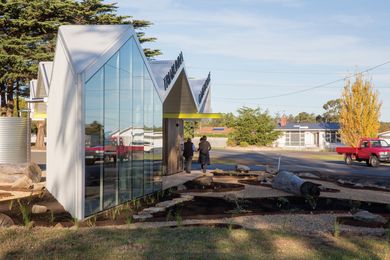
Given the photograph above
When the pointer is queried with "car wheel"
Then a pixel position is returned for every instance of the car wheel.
(374, 161)
(348, 159)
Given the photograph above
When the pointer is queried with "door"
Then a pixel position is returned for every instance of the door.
(364, 150)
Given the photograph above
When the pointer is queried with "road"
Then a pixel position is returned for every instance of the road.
(323, 162)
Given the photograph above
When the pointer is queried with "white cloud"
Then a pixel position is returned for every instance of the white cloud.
(245, 35)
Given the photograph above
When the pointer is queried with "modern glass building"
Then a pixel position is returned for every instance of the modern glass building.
(114, 118)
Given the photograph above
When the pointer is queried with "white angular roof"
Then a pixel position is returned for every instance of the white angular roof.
(160, 69)
(85, 44)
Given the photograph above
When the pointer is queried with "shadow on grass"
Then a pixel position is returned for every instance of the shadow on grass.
(182, 243)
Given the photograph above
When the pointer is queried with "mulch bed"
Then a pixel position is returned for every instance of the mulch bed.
(214, 187)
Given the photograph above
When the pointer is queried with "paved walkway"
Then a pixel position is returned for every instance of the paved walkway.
(180, 178)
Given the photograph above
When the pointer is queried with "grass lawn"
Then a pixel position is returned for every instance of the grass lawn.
(182, 243)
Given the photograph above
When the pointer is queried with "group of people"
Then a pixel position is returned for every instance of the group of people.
(204, 154)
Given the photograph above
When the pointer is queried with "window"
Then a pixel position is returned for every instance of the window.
(379, 143)
(364, 144)
(332, 136)
(123, 132)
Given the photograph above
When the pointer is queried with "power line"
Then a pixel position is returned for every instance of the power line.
(311, 88)
(266, 71)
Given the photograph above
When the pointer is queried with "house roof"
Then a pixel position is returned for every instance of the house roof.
(87, 43)
(310, 126)
(385, 133)
(161, 68)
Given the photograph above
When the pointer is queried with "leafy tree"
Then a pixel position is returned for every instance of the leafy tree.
(332, 111)
(254, 127)
(304, 117)
(384, 126)
(28, 32)
(360, 111)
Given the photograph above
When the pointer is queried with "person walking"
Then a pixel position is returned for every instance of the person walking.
(204, 153)
(188, 153)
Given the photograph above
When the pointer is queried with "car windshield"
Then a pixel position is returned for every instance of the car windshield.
(379, 143)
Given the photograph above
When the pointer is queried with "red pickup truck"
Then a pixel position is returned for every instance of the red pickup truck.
(371, 150)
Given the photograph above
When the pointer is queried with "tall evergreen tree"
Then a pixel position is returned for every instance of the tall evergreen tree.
(28, 32)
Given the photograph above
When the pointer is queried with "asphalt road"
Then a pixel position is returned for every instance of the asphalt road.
(323, 162)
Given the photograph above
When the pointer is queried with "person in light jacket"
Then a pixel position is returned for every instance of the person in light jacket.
(204, 153)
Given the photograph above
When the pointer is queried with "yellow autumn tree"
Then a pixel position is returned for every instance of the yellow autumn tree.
(360, 111)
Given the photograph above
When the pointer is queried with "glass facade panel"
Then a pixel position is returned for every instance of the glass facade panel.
(125, 121)
(123, 132)
(111, 131)
(157, 141)
(148, 133)
(94, 142)
(138, 123)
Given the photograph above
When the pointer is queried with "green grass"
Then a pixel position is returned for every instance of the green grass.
(183, 243)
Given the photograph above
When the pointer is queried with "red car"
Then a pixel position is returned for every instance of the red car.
(371, 150)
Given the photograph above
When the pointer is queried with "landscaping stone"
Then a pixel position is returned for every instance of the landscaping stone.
(9, 173)
(204, 180)
(152, 210)
(22, 183)
(5, 221)
(218, 171)
(181, 188)
(242, 168)
(230, 197)
(38, 209)
(187, 197)
(271, 169)
(365, 216)
(142, 216)
(58, 225)
(166, 204)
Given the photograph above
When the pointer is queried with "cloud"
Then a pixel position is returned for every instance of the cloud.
(252, 36)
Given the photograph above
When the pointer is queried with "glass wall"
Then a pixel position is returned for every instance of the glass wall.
(123, 132)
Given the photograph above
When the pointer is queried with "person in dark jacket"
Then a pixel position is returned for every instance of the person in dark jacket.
(188, 152)
(204, 153)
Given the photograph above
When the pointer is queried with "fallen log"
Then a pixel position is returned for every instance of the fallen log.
(289, 182)
(9, 173)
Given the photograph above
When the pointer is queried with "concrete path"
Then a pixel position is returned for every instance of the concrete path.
(180, 178)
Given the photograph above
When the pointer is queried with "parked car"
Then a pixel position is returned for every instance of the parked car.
(371, 150)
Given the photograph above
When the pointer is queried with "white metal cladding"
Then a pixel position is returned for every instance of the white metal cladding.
(13, 140)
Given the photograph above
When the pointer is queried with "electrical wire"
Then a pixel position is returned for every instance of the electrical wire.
(311, 88)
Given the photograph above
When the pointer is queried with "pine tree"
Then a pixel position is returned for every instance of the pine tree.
(28, 32)
(360, 111)
(254, 127)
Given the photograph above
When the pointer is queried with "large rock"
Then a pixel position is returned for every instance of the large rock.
(166, 204)
(9, 173)
(365, 216)
(22, 183)
(142, 216)
(204, 181)
(5, 221)
(38, 209)
(242, 168)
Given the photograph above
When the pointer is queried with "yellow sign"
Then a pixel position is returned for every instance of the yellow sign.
(192, 115)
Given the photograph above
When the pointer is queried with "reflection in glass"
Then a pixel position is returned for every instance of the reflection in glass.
(148, 133)
(157, 141)
(138, 124)
(123, 132)
(126, 121)
(111, 131)
(94, 146)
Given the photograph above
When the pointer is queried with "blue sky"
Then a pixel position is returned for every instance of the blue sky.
(261, 48)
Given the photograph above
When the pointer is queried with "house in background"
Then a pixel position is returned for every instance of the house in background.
(316, 136)
(385, 135)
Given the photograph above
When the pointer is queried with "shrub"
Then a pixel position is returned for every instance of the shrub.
(244, 144)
